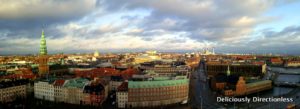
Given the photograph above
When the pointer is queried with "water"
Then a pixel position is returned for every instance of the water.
(280, 90)
(286, 70)
(288, 78)
(285, 78)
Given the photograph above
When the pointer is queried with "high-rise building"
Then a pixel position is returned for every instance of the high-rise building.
(43, 57)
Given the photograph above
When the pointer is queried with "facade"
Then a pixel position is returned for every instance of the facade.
(292, 64)
(115, 82)
(147, 57)
(73, 90)
(10, 90)
(167, 70)
(245, 89)
(95, 93)
(122, 95)
(43, 57)
(276, 61)
(157, 92)
(59, 90)
(247, 70)
(44, 90)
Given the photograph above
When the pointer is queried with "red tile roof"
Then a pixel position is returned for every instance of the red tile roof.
(123, 87)
(59, 82)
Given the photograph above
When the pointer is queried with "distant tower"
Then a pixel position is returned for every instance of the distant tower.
(228, 70)
(43, 57)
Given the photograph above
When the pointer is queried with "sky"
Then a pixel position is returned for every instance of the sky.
(229, 26)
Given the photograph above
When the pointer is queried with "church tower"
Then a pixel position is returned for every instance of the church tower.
(43, 57)
(241, 87)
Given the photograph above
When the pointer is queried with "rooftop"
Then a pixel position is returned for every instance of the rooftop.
(156, 84)
(6, 84)
(123, 87)
(59, 82)
(76, 82)
(258, 83)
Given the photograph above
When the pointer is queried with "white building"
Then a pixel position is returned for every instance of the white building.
(122, 99)
(122, 95)
(59, 92)
(44, 90)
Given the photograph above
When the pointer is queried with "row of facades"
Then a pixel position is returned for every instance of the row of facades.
(13, 89)
(75, 91)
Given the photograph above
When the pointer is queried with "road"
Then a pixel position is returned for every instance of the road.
(201, 95)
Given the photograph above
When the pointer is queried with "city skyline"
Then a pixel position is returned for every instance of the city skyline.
(251, 26)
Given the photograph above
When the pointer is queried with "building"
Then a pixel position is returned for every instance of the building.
(73, 90)
(115, 82)
(95, 93)
(158, 92)
(292, 64)
(59, 90)
(44, 90)
(207, 52)
(10, 90)
(276, 61)
(43, 57)
(157, 85)
(246, 70)
(167, 70)
(146, 57)
(242, 88)
(122, 95)
(18, 73)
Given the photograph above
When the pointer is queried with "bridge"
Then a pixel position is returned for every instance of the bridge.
(283, 83)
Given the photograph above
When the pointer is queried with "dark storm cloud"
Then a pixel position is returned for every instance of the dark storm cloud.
(291, 32)
(19, 16)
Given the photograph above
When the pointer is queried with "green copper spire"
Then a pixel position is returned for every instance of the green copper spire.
(43, 46)
(228, 70)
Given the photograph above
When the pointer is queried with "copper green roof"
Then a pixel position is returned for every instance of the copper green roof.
(34, 65)
(259, 83)
(76, 82)
(156, 84)
(43, 45)
(161, 78)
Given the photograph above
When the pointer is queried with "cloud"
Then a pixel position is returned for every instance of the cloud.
(84, 25)
(287, 32)
(32, 14)
(41, 9)
(235, 18)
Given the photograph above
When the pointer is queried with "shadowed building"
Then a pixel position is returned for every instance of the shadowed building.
(11, 90)
(242, 88)
(43, 57)
(246, 70)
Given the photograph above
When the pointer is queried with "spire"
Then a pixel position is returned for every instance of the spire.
(228, 70)
(43, 46)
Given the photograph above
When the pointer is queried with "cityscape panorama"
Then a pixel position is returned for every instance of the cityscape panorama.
(149, 54)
